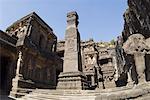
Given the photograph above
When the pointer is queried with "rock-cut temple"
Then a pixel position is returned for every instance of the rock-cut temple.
(35, 64)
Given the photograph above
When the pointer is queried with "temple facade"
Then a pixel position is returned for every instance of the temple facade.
(31, 57)
(28, 56)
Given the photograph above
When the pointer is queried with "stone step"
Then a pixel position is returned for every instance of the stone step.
(48, 97)
(40, 97)
(119, 93)
(36, 95)
(74, 92)
(20, 92)
(14, 94)
(84, 91)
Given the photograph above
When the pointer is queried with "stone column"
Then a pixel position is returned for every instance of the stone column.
(130, 81)
(99, 84)
(92, 80)
(72, 76)
(140, 66)
(18, 77)
(116, 76)
(19, 64)
(129, 77)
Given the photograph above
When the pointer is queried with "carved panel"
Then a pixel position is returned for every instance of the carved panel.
(70, 45)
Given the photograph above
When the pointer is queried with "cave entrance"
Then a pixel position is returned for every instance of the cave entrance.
(4, 71)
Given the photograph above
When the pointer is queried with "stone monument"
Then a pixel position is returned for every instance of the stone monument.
(72, 76)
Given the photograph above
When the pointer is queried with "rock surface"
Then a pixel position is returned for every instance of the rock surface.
(137, 18)
(137, 21)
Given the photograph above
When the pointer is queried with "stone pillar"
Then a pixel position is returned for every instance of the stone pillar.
(19, 64)
(98, 77)
(129, 77)
(92, 80)
(130, 81)
(19, 85)
(116, 76)
(72, 76)
(18, 77)
(140, 66)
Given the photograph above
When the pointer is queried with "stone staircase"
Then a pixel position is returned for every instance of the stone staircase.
(124, 93)
(20, 93)
(42, 94)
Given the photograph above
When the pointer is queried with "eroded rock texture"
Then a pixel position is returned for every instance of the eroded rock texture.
(137, 21)
(137, 18)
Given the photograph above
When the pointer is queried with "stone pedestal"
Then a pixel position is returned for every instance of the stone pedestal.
(72, 80)
(100, 86)
(15, 86)
(20, 87)
(109, 84)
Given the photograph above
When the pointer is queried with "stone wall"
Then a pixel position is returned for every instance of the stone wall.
(8, 58)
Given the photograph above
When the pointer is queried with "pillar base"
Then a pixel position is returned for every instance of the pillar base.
(20, 86)
(109, 84)
(130, 84)
(72, 80)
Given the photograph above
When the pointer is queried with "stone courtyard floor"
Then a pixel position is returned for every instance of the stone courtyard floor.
(139, 92)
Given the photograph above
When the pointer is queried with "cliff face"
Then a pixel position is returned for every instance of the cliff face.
(137, 18)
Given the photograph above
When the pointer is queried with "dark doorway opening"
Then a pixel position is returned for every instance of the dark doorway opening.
(122, 81)
(105, 61)
(147, 63)
(57, 75)
(4, 80)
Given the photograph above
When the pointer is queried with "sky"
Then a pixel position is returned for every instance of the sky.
(101, 20)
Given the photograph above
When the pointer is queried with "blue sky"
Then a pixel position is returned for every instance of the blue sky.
(101, 20)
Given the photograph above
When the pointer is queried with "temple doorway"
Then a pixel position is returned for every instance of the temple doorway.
(4, 72)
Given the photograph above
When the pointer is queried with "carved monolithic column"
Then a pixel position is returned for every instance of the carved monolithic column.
(72, 76)
(18, 77)
(136, 45)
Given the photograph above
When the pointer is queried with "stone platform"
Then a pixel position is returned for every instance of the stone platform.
(72, 80)
(140, 92)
